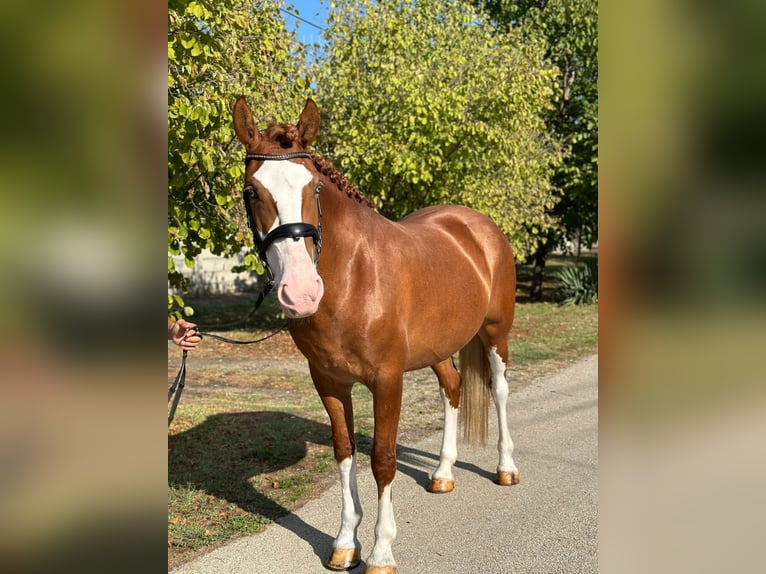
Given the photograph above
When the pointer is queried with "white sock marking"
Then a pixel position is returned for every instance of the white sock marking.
(351, 510)
(448, 454)
(500, 396)
(385, 532)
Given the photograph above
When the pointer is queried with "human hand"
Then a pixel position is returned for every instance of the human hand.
(184, 334)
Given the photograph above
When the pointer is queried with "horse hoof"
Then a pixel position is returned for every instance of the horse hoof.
(343, 559)
(507, 478)
(380, 570)
(441, 485)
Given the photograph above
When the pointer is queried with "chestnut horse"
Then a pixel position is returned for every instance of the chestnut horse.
(367, 299)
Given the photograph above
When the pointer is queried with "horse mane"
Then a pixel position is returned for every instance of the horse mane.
(326, 167)
(288, 136)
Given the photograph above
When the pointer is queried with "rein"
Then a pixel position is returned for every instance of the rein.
(295, 231)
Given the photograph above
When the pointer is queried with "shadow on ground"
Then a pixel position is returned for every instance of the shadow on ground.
(220, 455)
(419, 465)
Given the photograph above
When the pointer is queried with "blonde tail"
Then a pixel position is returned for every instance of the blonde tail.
(475, 384)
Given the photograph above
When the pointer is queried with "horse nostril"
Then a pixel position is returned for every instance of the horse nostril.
(284, 297)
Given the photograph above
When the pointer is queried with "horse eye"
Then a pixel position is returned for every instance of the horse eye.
(252, 194)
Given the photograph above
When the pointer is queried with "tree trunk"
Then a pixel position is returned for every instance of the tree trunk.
(536, 288)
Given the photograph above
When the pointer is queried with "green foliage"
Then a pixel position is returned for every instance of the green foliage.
(424, 104)
(217, 50)
(579, 283)
(569, 29)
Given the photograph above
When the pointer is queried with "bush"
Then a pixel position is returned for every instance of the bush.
(579, 283)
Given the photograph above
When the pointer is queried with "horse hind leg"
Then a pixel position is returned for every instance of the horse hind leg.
(442, 480)
(507, 473)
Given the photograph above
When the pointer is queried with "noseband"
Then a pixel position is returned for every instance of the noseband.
(294, 231)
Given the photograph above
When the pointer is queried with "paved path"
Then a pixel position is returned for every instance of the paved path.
(545, 524)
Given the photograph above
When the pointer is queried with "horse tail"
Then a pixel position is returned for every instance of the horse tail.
(475, 384)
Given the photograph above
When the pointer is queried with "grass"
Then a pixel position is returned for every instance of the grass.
(235, 466)
(549, 331)
(251, 441)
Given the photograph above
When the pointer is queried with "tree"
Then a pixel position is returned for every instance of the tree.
(570, 31)
(218, 50)
(423, 104)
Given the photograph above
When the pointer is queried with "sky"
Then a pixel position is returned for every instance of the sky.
(312, 10)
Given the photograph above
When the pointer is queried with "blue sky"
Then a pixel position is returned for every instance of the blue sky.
(312, 10)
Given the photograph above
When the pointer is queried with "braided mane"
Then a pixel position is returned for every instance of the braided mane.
(288, 136)
(326, 167)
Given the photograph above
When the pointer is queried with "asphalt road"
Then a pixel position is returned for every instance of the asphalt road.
(545, 524)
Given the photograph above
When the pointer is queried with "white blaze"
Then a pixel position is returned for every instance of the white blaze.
(299, 286)
(285, 181)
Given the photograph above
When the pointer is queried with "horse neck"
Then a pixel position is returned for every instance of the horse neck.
(345, 222)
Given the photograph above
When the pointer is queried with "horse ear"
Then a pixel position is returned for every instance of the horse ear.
(244, 125)
(308, 124)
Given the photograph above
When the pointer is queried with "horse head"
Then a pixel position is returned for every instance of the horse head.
(282, 200)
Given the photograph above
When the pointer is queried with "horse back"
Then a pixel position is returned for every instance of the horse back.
(460, 276)
(452, 234)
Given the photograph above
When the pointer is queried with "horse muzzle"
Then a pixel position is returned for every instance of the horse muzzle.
(299, 295)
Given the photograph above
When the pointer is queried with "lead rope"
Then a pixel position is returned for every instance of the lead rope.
(178, 383)
(175, 390)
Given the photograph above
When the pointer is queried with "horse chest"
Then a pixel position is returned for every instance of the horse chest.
(352, 354)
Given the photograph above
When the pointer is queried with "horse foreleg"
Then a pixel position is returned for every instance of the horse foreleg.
(346, 548)
(387, 404)
(507, 473)
(442, 479)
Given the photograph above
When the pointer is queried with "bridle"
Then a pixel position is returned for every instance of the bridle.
(295, 231)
